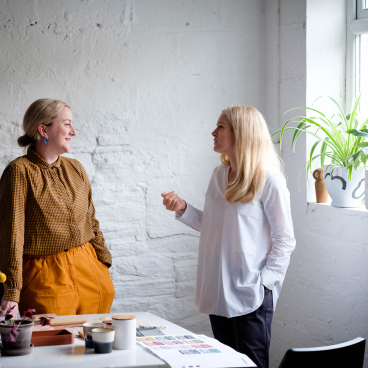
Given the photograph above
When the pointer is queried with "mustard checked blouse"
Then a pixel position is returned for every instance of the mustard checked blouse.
(44, 209)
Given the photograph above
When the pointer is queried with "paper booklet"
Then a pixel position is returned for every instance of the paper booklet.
(197, 351)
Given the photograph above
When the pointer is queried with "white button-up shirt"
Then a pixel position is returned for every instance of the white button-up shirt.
(242, 247)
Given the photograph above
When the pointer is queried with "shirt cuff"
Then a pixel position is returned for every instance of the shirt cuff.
(12, 294)
(105, 258)
(187, 216)
(269, 278)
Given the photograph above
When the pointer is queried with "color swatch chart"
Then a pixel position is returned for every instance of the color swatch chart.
(194, 350)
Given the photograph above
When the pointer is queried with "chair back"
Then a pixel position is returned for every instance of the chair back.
(348, 354)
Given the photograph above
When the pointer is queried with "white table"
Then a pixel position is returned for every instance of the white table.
(72, 356)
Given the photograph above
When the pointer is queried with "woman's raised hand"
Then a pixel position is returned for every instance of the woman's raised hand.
(173, 202)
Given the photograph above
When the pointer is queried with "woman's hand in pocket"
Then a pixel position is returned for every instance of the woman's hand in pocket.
(173, 202)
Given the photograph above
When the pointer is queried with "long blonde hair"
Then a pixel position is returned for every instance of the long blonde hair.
(42, 111)
(255, 153)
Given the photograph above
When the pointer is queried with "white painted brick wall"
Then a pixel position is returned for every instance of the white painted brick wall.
(146, 81)
(324, 299)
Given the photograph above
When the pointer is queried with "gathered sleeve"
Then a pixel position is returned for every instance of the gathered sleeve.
(98, 242)
(13, 197)
(276, 201)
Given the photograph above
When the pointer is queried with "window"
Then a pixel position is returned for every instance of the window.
(357, 53)
(362, 9)
(362, 70)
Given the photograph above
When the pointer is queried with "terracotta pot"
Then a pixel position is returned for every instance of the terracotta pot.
(23, 339)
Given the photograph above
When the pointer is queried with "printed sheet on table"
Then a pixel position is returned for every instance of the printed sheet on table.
(199, 351)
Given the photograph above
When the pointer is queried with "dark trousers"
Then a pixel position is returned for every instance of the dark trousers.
(249, 334)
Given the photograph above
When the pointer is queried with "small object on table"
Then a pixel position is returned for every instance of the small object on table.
(153, 331)
(108, 323)
(52, 337)
(125, 331)
(103, 339)
(321, 191)
(144, 324)
(44, 328)
(16, 352)
(68, 322)
(36, 317)
(87, 332)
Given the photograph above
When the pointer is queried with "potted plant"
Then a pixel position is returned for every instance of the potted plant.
(16, 333)
(346, 152)
(363, 144)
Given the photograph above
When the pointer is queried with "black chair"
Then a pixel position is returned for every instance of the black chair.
(348, 354)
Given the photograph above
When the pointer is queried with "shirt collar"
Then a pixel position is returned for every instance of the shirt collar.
(36, 159)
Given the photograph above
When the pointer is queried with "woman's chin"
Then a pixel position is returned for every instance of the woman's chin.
(216, 149)
(66, 149)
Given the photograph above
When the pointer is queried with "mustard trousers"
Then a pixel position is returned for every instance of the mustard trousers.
(66, 283)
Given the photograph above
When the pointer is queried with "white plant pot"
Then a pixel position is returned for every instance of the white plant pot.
(344, 192)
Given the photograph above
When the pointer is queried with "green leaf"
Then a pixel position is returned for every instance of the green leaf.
(300, 172)
(358, 133)
(335, 145)
(312, 150)
(282, 131)
(299, 130)
(340, 109)
(362, 145)
(354, 110)
(323, 150)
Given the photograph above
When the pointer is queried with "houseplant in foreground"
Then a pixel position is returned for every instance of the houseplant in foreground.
(16, 334)
(343, 156)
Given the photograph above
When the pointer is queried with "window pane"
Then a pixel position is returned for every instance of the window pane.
(362, 75)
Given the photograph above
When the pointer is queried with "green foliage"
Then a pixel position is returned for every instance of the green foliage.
(341, 138)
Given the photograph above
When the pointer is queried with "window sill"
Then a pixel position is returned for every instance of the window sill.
(313, 206)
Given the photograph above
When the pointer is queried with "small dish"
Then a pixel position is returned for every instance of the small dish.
(16, 352)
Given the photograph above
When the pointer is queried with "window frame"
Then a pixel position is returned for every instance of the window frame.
(361, 9)
(357, 24)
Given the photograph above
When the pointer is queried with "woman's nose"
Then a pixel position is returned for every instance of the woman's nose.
(214, 133)
(74, 132)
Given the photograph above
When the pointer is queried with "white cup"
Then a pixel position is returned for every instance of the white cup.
(125, 331)
(87, 329)
(103, 339)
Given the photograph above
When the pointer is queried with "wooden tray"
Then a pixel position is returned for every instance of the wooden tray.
(70, 322)
(52, 337)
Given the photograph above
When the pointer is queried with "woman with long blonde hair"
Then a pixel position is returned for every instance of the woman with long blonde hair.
(246, 234)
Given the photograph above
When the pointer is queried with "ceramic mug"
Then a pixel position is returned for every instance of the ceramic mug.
(87, 330)
(103, 339)
(125, 326)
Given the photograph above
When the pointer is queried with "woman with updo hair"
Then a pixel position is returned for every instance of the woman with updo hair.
(246, 236)
(51, 248)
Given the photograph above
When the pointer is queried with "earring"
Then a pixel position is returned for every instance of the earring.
(46, 140)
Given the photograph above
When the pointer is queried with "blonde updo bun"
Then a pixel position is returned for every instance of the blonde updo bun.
(25, 140)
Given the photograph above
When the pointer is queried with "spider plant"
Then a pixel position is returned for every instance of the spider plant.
(340, 138)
